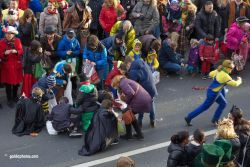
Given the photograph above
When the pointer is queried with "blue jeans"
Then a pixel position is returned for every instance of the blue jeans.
(218, 97)
(102, 73)
(114, 92)
(151, 113)
(172, 67)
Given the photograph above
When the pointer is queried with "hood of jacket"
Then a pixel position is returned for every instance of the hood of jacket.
(175, 147)
(137, 41)
(137, 64)
(69, 42)
(88, 88)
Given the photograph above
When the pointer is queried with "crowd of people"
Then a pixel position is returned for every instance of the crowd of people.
(81, 62)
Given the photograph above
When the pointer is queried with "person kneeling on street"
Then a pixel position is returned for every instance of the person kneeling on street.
(29, 119)
(63, 120)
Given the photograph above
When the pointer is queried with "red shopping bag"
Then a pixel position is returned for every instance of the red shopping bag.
(89, 70)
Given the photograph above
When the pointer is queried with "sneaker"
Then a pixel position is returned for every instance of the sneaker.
(75, 134)
(188, 121)
(152, 124)
(126, 137)
(138, 137)
(204, 77)
(116, 141)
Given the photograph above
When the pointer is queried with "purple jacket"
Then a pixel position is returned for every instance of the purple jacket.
(193, 57)
(234, 37)
(136, 96)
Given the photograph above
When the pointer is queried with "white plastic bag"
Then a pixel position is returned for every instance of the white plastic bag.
(68, 92)
(52, 103)
(156, 77)
(50, 129)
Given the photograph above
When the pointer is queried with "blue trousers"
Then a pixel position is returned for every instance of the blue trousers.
(218, 97)
(114, 92)
(151, 113)
(172, 67)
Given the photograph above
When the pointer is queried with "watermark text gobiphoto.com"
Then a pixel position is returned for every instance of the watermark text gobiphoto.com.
(21, 156)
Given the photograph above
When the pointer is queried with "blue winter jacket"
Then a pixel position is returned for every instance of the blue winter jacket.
(140, 72)
(99, 56)
(58, 72)
(167, 54)
(65, 45)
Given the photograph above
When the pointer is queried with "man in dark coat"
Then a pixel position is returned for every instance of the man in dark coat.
(102, 131)
(149, 42)
(140, 72)
(49, 44)
(207, 22)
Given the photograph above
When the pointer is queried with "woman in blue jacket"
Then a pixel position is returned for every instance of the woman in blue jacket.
(96, 54)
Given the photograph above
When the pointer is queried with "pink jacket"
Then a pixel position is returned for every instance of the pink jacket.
(234, 37)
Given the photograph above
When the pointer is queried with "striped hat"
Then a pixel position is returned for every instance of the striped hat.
(51, 81)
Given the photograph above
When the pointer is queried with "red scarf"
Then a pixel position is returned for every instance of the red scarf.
(54, 11)
(85, 83)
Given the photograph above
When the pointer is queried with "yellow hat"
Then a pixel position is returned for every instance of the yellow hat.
(228, 64)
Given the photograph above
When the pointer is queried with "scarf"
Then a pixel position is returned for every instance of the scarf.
(54, 11)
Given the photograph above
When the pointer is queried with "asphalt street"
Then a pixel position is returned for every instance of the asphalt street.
(176, 98)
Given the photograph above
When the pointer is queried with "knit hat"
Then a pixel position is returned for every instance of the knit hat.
(81, 3)
(119, 36)
(125, 162)
(51, 81)
(71, 31)
(10, 29)
(242, 19)
(174, 1)
(228, 64)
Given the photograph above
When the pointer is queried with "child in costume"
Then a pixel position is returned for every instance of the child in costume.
(152, 60)
(216, 91)
(135, 53)
(209, 54)
(193, 57)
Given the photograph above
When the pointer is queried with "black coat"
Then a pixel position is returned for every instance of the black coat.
(96, 6)
(29, 117)
(88, 101)
(60, 116)
(177, 156)
(207, 23)
(27, 33)
(46, 47)
(29, 62)
(193, 151)
(100, 134)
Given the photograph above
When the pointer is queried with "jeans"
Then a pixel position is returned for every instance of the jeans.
(218, 97)
(151, 113)
(102, 73)
(114, 92)
(172, 67)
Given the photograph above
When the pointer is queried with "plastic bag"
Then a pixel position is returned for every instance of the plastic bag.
(52, 103)
(120, 128)
(156, 77)
(68, 92)
(90, 72)
(38, 71)
(50, 129)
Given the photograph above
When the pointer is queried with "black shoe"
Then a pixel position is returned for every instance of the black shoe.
(138, 137)
(116, 141)
(188, 121)
(204, 77)
(10, 104)
(75, 134)
(152, 124)
(126, 137)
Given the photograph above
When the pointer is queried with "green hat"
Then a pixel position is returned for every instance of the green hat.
(226, 145)
(210, 155)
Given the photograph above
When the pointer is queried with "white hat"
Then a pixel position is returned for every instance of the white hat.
(11, 29)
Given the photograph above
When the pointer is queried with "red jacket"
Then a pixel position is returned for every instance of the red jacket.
(209, 52)
(108, 16)
(111, 75)
(23, 4)
(11, 71)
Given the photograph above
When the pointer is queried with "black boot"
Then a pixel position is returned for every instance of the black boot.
(138, 134)
(128, 134)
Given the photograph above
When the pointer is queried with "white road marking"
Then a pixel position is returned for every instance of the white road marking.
(133, 152)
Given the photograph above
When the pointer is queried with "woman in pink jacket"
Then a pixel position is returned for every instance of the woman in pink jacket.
(235, 34)
(111, 12)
